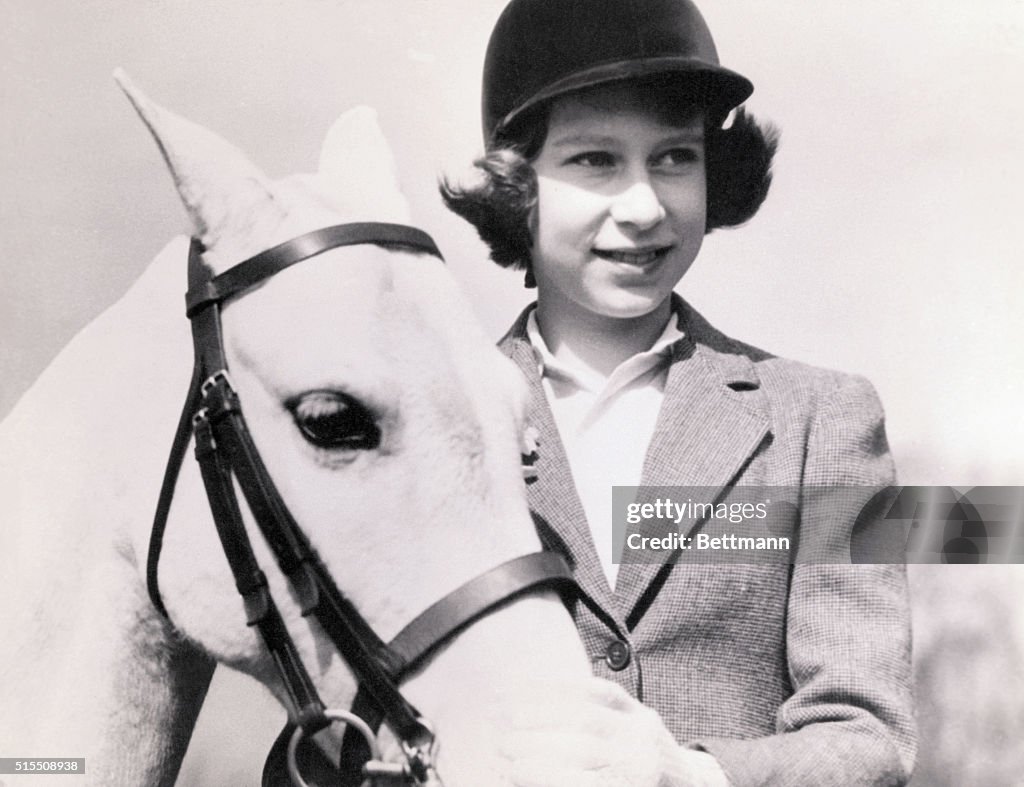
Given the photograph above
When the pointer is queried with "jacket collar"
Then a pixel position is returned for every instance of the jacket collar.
(711, 421)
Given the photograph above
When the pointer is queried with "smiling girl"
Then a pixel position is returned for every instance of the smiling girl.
(607, 162)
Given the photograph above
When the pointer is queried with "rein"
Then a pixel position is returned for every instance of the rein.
(226, 453)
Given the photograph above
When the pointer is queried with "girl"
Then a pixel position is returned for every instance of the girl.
(607, 162)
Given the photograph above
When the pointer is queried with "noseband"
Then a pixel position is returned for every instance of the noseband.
(226, 453)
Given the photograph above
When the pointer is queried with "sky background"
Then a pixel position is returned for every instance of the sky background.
(889, 246)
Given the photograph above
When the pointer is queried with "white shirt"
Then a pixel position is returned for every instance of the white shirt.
(605, 424)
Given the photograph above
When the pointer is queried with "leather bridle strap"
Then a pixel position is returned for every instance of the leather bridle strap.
(442, 621)
(274, 260)
(476, 598)
(415, 643)
(250, 580)
(226, 454)
(365, 654)
(204, 291)
(356, 641)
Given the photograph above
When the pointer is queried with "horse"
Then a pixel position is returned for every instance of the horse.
(388, 421)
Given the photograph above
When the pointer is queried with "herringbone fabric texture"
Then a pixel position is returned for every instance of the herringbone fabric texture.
(788, 675)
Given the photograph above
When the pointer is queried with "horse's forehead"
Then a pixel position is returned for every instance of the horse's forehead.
(365, 199)
(348, 286)
(349, 310)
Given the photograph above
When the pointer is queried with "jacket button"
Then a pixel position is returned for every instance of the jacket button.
(616, 655)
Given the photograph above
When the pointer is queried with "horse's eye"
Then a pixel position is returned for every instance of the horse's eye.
(335, 421)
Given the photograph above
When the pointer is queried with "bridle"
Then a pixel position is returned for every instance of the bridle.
(226, 452)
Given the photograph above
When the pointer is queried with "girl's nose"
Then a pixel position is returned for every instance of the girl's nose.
(639, 206)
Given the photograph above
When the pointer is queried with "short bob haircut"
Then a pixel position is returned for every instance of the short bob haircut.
(738, 162)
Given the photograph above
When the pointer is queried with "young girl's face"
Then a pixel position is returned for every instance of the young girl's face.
(621, 203)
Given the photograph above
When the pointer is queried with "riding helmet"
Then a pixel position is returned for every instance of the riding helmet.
(544, 48)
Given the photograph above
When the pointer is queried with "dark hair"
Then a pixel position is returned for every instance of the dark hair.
(738, 162)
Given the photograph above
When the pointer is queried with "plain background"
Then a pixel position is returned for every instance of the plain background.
(889, 245)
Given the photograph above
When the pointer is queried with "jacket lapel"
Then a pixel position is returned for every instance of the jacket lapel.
(710, 424)
(554, 502)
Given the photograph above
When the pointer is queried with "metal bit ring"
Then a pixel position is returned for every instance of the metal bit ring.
(334, 715)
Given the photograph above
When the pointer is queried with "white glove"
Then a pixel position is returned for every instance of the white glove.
(594, 734)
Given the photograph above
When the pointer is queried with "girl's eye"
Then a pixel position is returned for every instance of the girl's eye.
(678, 157)
(335, 421)
(593, 158)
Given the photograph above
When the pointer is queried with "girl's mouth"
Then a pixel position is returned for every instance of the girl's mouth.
(639, 257)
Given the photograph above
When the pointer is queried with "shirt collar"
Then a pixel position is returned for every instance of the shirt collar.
(589, 380)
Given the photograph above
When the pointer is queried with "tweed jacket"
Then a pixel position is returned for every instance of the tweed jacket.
(788, 675)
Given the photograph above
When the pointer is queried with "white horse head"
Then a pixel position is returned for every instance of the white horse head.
(386, 418)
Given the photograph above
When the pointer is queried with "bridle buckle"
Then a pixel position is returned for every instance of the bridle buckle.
(219, 376)
(212, 405)
(419, 757)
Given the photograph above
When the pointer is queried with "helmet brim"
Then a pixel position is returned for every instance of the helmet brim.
(716, 88)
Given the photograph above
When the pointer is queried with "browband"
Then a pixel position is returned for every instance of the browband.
(227, 456)
(205, 290)
(265, 264)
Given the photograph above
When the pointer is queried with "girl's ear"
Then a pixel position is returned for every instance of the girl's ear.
(532, 222)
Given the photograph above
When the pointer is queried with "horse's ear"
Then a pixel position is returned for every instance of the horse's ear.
(222, 190)
(356, 163)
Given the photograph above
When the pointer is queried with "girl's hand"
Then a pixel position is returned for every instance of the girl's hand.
(594, 734)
